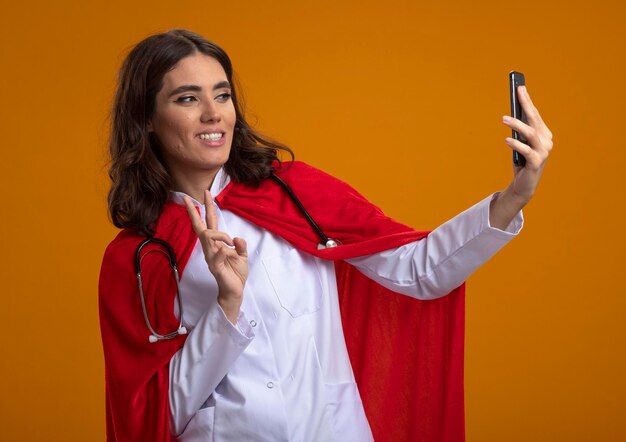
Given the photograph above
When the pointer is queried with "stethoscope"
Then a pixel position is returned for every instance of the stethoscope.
(325, 242)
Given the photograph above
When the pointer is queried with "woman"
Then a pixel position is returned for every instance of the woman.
(266, 357)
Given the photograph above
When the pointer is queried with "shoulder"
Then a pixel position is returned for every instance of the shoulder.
(121, 249)
(118, 256)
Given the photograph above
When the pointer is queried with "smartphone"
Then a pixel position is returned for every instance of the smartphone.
(517, 79)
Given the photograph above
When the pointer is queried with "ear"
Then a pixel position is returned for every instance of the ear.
(150, 129)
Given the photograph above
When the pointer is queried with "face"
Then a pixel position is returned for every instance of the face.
(194, 117)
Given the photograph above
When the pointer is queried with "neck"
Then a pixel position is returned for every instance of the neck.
(193, 183)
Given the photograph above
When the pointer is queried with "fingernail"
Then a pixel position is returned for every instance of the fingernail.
(506, 119)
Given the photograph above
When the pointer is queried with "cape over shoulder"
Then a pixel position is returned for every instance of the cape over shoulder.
(136, 371)
(407, 355)
(340, 211)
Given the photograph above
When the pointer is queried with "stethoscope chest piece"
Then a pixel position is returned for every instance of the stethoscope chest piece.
(330, 243)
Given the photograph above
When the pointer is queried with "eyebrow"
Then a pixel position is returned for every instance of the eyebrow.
(195, 88)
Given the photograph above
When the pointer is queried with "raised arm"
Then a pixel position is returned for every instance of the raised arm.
(433, 266)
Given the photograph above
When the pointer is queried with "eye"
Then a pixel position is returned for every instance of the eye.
(186, 99)
(223, 97)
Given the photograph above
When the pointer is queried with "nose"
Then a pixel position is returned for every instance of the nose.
(210, 113)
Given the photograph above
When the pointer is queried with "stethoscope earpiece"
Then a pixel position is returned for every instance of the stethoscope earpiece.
(154, 338)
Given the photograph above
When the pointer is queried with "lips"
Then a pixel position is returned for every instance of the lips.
(212, 138)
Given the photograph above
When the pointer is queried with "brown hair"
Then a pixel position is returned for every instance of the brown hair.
(140, 181)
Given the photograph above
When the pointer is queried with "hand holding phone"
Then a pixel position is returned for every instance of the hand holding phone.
(533, 139)
(517, 79)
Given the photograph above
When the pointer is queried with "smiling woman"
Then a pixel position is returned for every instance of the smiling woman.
(297, 340)
(165, 83)
(193, 122)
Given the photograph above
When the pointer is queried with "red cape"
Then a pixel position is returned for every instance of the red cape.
(407, 355)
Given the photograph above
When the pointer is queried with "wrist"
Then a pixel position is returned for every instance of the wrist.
(230, 306)
(504, 207)
(512, 200)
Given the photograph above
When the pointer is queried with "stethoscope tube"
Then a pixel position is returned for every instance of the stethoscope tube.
(325, 241)
(181, 330)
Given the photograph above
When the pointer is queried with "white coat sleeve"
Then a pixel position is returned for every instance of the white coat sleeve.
(434, 266)
(198, 367)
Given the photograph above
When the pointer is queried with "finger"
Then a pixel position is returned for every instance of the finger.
(540, 141)
(532, 113)
(218, 236)
(241, 247)
(196, 222)
(211, 216)
(519, 147)
(224, 254)
(513, 123)
(519, 126)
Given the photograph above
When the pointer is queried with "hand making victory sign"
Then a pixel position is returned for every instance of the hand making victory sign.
(227, 258)
(522, 188)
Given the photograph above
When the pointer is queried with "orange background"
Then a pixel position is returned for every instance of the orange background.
(401, 99)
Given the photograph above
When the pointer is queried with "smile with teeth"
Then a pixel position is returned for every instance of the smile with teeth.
(212, 136)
